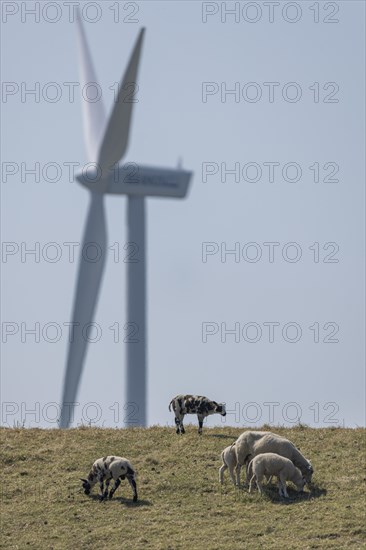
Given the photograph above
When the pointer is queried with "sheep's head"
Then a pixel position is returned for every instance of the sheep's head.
(307, 473)
(298, 479)
(221, 408)
(300, 484)
(86, 486)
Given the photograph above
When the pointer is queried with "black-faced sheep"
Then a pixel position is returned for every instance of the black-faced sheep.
(252, 443)
(194, 404)
(107, 468)
(271, 464)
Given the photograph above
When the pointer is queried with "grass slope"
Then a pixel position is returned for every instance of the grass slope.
(181, 503)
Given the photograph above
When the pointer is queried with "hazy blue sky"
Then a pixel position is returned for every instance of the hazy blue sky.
(324, 129)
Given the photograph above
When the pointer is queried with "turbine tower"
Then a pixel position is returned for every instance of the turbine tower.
(106, 143)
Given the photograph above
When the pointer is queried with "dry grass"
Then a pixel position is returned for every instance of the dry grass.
(181, 502)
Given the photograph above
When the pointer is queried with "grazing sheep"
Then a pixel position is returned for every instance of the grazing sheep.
(107, 468)
(194, 404)
(272, 464)
(229, 461)
(252, 443)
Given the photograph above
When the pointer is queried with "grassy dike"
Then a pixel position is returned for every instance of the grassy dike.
(181, 504)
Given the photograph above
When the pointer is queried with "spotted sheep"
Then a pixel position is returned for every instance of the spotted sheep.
(194, 404)
(106, 469)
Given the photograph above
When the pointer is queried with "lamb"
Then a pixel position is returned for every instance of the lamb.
(191, 404)
(228, 456)
(252, 443)
(106, 468)
(272, 464)
(229, 461)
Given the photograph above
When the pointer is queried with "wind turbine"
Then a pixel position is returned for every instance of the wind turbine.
(106, 143)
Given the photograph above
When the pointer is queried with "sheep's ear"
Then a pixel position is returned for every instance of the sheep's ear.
(83, 480)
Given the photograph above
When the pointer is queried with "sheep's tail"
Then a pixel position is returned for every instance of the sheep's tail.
(222, 457)
(232, 447)
(170, 404)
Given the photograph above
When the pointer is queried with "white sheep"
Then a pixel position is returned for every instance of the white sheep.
(107, 468)
(229, 461)
(228, 457)
(272, 464)
(252, 443)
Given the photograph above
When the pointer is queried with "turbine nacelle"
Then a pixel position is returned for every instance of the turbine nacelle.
(134, 179)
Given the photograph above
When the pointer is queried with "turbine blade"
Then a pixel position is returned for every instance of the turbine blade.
(91, 267)
(115, 140)
(94, 117)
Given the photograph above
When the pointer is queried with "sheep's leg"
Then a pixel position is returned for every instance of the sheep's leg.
(200, 423)
(231, 472)
(177, 423)
(182, 430)
(247, 462)
(282, 483)
(280, 486)
(117, 483)
(221, 473)
(252, 481)
(259, 483)
(105, 493)
(238, 468)
(281, 489)
(132, 482)
(101, 487)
